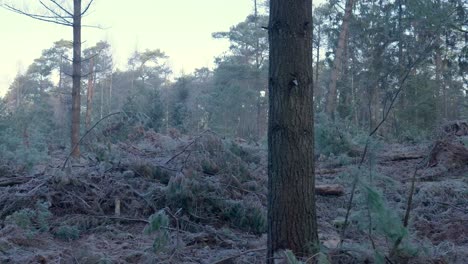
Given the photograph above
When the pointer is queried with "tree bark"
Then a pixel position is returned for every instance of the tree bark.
(330, 106)
(76, 77)
(292, 220)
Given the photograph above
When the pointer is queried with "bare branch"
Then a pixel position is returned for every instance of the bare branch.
(87, 7)
(91, 57)
(58, 16)
(50, 19)
(67, 74)
(62, 8)
(66, 58)
(10, 8)
(90, 26)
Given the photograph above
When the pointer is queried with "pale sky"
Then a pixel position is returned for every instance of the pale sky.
(180, 28)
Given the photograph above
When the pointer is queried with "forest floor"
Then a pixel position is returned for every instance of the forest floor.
(211, 196)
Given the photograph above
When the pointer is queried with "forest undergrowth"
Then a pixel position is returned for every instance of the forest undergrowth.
(155, 198)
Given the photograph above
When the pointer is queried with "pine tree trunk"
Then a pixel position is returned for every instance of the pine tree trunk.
(330, 106)
(318, 91)
(76, 99)
(438, 77)
(90, 93)
(110, 92)
(291, 180)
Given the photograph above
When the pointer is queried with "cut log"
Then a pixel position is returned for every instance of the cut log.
(404, 156)
(329, 189)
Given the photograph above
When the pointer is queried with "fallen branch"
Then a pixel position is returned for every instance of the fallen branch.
(186, 147)
(329, 189)
(404, 156)
(14, 181)
(226, 260)
(126, 219)
(329, 171)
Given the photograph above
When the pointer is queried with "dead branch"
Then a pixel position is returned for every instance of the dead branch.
(186, 147)
(227, 260)
(87, 132)
(329, 189)
(404, 156)
(14, 181)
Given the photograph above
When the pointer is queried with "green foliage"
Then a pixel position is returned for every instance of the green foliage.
(181, 114)
(151, 172)
(243, 153)
(209, 167)
(158, 224)
(386, 221)
(372, 213)
(291, 258)
(179, 193)
(246, 216)
(147, 104)
(36, 220)
(22, 218)
(333, 138)
(322, 258)
(68, 233)
(248, 39)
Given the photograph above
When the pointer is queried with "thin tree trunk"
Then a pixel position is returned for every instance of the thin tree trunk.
(318, 91)
(330, 106)
(60, 74)
(401, 66)
(101, 104)
(259, 131)
(292, 220)
(62, 104)
(90, 94)
(110, 92)
(439, 82)
(76, 98)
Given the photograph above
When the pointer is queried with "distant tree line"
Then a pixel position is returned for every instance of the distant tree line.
(370, 57)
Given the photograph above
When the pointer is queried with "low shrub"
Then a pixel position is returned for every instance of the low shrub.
(158, 224)
(68, 233)
(33, 220)
(246, 216)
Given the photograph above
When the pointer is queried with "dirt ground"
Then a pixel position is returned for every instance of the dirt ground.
(213, 191)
